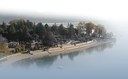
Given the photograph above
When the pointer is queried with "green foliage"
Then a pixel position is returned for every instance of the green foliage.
(25, 31)
(89, 27)
(71, 31)
(49, 39)
(54, 29)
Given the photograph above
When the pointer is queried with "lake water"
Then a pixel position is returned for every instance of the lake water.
(107, 61)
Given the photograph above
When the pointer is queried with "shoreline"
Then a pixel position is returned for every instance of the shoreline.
(51, 52)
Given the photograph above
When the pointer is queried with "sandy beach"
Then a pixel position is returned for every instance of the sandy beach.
(68, 48)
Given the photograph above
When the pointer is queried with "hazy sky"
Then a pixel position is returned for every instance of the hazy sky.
(102, 9)
(114, 11)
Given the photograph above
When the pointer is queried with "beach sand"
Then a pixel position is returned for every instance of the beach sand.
(51, 52)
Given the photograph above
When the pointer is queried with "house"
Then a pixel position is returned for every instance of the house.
(13, 44)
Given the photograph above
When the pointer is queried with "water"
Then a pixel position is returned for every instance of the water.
(107, 61)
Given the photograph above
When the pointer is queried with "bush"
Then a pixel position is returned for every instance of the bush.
(4, 47)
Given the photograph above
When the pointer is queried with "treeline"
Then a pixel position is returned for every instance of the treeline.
(25, 31)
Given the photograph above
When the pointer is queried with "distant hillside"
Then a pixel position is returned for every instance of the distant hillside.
(36, 19)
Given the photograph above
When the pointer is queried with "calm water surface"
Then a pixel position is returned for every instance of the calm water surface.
(107, 61)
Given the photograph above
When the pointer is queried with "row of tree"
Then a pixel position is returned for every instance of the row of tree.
(25, 31)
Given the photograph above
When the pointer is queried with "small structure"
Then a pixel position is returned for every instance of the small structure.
(13, 44)
(35, 45)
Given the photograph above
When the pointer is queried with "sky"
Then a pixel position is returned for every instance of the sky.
(102, 9)
(114, 11)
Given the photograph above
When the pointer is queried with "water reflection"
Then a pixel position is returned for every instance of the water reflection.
(44, 62)
(99, 48)
(47, 62)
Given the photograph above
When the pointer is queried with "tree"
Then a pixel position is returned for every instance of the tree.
(49, 39)
(80, 27)
(89, 27)
(71, 31)
(35, 36)
(12, 29)
(102, 30)
(48, 29)
(54, 29)
(30, 25)
(61, 29)
(40, 30)
(27, 35)
(26, 31)
(4, 26)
